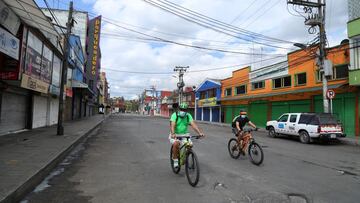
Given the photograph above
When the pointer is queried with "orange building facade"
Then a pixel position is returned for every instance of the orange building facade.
(294, 85)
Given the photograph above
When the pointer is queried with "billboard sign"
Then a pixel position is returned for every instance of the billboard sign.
(9, 44)
(9, 19)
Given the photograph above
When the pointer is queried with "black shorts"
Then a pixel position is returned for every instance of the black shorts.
(235, 131)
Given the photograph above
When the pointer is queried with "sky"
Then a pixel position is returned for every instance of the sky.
(125, 51)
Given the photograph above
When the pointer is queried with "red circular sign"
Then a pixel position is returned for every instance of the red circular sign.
(330, 94)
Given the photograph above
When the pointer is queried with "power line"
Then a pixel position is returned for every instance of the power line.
(187, 45)
(213, 26)
(209, 19)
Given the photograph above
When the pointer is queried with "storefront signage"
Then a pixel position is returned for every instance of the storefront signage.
(54, 90)
(95, 45)
(31, 83)
(9, 44)
(68, 91)
(208, 102)
(9, 19)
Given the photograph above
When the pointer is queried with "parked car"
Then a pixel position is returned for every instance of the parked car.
(307, 126)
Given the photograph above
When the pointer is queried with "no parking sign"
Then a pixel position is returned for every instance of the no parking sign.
(330, 94)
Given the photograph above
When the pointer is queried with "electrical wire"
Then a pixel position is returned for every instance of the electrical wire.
(211, 26)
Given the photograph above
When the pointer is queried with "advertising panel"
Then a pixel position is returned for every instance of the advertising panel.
(9, 44)
(33, 56)
(46, 65)
(9, 19)
(207, 102)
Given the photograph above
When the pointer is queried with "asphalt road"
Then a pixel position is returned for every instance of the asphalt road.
(127, 160)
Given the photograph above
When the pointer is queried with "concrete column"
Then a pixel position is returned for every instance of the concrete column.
(211, 114)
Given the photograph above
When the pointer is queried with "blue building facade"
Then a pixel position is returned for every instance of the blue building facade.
(207, 107)
(78, 80)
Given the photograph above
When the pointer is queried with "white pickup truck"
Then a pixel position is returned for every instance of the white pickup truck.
(307, 126)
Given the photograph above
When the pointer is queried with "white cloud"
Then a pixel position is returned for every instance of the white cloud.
(145, 57)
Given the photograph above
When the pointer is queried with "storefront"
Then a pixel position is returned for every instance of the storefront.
(14, 101)
(207, 107)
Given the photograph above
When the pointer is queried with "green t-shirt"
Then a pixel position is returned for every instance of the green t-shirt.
(182, 123)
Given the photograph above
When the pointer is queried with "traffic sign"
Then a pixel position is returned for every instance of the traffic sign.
(330, 94)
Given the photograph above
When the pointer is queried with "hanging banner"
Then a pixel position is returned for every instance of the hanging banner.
(9, 19)
(93, 62)
(9, 44)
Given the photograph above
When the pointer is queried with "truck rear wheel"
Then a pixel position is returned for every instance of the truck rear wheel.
(304, 137)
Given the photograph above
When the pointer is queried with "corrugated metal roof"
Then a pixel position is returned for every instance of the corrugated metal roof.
(31, 14)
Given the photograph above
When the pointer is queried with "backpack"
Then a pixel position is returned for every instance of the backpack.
(233, 123)
(177, 118)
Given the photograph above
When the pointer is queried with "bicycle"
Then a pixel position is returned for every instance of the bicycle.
(254, 149)
(188, 158)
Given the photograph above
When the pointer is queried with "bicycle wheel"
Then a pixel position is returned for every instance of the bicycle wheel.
(233, 148)
(192, 169)
(256, 154)
(175, 170)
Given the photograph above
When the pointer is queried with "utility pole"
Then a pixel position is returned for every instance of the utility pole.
(60, 127)
(313, 20)
(153, 98)
(181, 84)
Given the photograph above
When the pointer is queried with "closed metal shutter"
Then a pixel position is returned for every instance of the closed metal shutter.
(198, 114)
(54, 111)
(39, 111)
(13, 112)
(206, 114)
(258, 113)
(215, 114)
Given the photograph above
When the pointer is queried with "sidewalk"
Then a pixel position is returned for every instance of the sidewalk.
(28, 157)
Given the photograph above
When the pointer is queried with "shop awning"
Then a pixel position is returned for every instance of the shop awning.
(31, 14)
(279, 93)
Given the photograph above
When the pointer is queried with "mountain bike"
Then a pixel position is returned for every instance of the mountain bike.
(248, 144)
(188, 158)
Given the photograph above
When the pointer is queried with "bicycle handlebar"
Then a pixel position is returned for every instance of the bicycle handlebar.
(250, 129)
(189, 136)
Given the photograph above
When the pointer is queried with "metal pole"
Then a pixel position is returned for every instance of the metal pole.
(322, 56)
(60, 127)
(195, 112)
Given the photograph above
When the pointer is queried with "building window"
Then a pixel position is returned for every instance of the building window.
(300, 79)
(240, 90)
(203, 95)
(258, 85)
(211, 93)
(228, 92)
(341, 71)
(319, 76)
(282, 82)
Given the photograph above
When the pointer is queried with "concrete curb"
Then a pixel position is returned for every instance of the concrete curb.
(37, 178)
(348, 141)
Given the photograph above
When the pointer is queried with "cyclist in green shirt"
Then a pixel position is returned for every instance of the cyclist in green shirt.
(179, 122)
